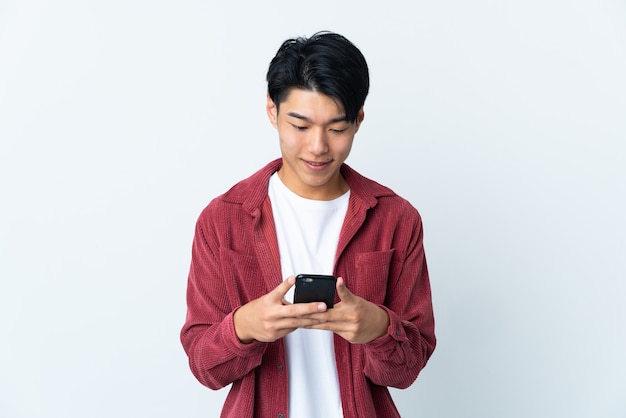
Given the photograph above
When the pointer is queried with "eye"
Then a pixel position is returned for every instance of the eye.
(338, 131)
(299, 128)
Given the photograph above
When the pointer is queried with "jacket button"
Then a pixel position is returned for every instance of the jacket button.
(281, 416)
(280, 367)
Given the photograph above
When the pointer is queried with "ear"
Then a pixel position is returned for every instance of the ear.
(359, 119)
(272, 111)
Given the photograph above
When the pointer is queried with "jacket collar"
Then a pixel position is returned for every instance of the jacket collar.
(252, 192)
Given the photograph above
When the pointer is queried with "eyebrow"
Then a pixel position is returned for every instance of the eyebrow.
(306, 119)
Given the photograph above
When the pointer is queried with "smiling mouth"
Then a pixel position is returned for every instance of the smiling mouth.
(317, 164)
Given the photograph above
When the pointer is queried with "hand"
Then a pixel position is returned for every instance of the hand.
(354, 318)
(271, 317)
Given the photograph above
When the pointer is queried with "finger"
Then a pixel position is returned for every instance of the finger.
(304, 309)
(281, 290)
(344, 294)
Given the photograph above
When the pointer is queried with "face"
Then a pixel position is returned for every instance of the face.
(315, 139)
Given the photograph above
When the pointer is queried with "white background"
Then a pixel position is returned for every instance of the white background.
(503, 122)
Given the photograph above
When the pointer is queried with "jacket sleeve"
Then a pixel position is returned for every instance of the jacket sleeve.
(396, 359)
(216, 356)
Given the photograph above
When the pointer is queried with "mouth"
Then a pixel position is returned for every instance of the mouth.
(317, 165)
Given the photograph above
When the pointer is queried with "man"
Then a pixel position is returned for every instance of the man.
(308, 212)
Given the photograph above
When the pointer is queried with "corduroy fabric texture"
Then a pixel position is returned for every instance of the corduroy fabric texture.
(235, 259)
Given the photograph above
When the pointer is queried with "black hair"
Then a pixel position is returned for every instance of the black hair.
(327, 63)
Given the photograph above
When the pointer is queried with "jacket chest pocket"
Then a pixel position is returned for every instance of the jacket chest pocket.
(371, 275)
(242, 276)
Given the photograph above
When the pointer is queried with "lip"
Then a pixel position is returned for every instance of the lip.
(317, 165)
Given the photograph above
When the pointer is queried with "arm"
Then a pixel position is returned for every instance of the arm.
(397, 335)
(216, 356)
(396, 358)
(223, 341)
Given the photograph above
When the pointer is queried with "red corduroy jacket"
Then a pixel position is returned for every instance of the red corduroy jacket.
(235, 260)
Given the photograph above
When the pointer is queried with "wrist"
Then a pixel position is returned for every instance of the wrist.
(239, 325)
(384, 322)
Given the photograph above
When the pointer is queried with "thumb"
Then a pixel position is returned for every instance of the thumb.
(344, 294)
(281, 290)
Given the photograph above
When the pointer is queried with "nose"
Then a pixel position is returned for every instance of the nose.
(318, 142)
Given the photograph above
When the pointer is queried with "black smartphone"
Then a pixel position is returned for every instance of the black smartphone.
(315, 288)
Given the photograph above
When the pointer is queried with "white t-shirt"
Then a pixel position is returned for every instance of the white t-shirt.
(308, 234)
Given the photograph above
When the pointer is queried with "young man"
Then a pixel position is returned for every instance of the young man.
(308, 212)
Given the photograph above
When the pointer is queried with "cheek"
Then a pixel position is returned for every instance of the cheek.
(285, 138)
(288, 144)
(344, 147)
(288, 138)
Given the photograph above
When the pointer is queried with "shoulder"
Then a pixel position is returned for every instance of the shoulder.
(254, 187)
(379, 197)
(248, 194)
(363, 186)
(252, 190)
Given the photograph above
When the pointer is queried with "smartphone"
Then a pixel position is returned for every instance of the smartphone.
(315, 288)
